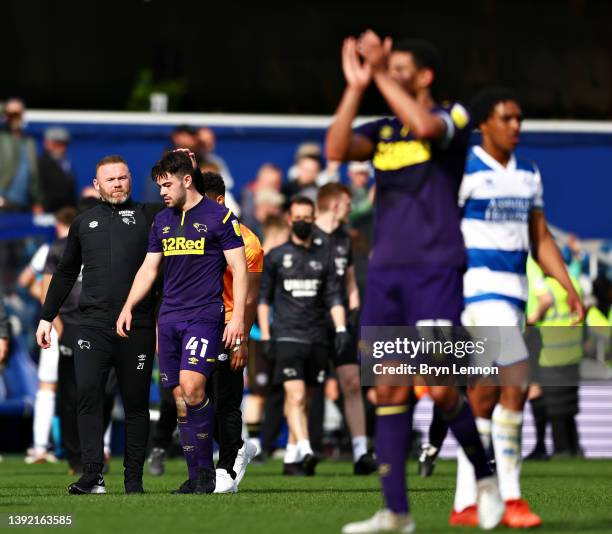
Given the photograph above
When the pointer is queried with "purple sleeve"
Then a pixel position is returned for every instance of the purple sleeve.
(369, 130)
(155, 244)
(229, 233)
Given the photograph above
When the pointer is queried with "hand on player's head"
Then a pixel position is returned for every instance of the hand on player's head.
(374, 51)
(191, 155)
(358, 75)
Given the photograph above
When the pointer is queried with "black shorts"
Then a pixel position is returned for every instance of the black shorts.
(259, 369)
(300, 361)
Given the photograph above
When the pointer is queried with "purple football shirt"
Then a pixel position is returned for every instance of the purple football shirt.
(417, 221)
(192, 243)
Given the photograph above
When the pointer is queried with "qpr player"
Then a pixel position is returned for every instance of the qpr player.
(503, 219)
(196, 239)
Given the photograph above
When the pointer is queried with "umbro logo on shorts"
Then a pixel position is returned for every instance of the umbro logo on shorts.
(188, 448)
(141, 361)
(222, 357)
(83, 344)
(193, 360)
(202, 435)
(93, 224)
(289, 372)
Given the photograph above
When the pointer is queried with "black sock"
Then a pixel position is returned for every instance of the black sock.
(540, 416)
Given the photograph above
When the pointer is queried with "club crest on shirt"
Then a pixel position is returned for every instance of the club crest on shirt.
(341, 249)
(317, 241)
(93, 224)
(287, 261)
(315, 265)
(200, 227)
(127, 216)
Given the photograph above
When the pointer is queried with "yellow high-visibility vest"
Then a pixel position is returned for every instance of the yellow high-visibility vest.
(561, 341)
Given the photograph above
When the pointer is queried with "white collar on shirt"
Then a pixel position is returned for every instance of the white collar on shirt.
(492, 162)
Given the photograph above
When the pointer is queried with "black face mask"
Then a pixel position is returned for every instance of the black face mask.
(302, 229)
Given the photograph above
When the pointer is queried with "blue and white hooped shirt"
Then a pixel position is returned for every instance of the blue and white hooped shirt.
(497, 202)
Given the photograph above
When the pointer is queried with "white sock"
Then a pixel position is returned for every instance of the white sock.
(256, 442)
(44, 410)
(107, 438)
(291, 453)
(360, 447)
(466, 492)
(484, 429)
(506, 433)
(304, 448)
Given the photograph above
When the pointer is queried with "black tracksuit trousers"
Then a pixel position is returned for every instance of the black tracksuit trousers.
(96, 351)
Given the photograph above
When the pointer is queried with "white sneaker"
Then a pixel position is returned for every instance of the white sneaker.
(382, 521)
(41, 458)
(246, 453)
(491, 507)
(224, 482)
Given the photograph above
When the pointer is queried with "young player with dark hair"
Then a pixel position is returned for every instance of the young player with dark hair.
(503, 218)
(196, 239)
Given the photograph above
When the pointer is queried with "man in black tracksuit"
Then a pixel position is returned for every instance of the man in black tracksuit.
(110, 242)
(300, 283)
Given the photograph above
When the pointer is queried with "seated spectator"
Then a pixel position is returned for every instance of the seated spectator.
(56, 178)
(207, 142)
(268, 202)
(305, 183)
(269, 176)
(329, 174)
(19, 181)
(359, 173)
(184, 136)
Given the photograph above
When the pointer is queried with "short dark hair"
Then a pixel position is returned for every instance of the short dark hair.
(425, 56)
(108, 160)
(301, 201)
(177, 163)
(484, 102)
(213, 183)
(185, 128)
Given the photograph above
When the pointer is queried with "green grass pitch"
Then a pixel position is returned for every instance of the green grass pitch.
(572, 496)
